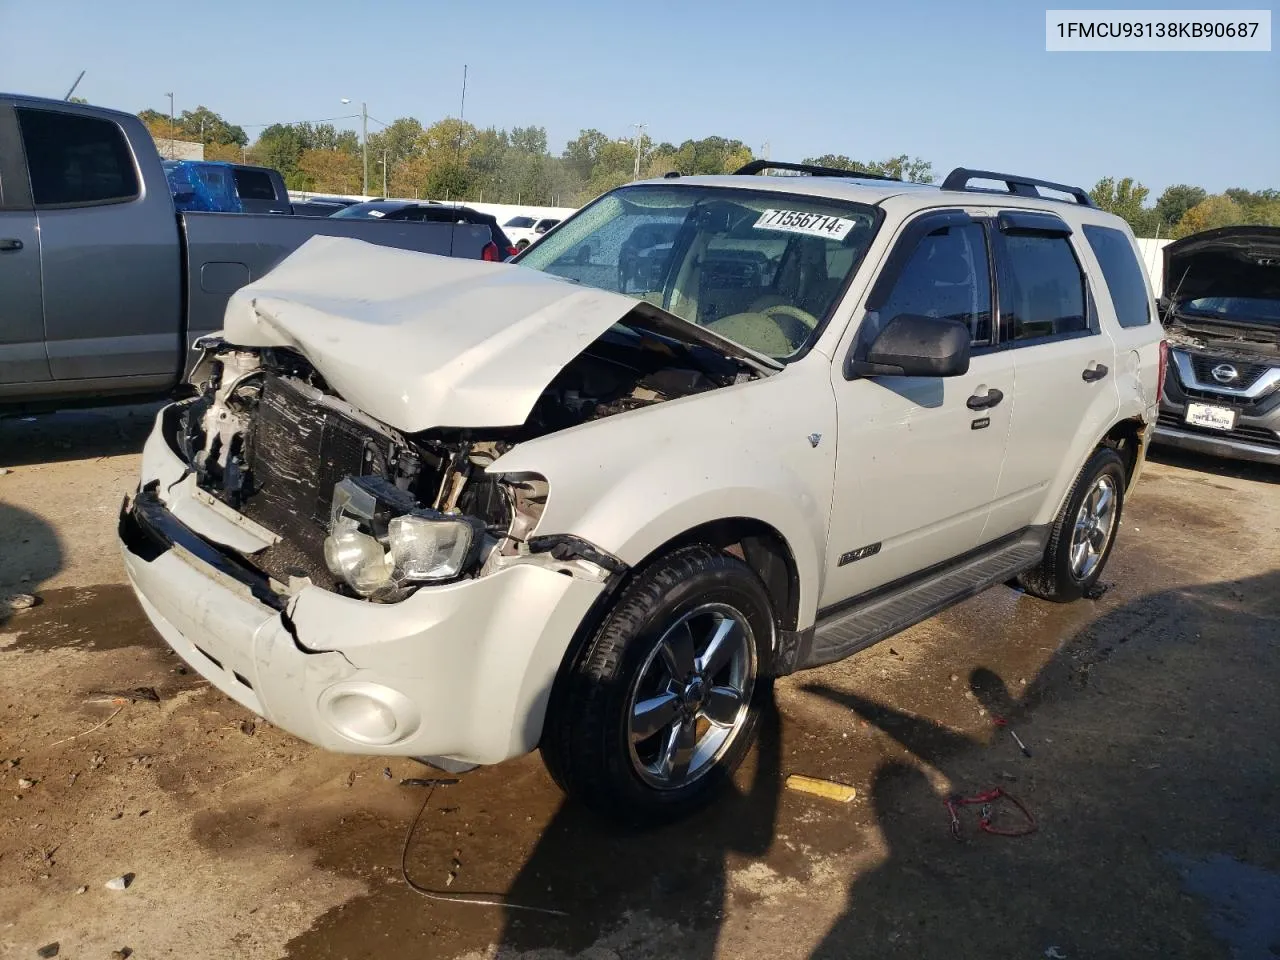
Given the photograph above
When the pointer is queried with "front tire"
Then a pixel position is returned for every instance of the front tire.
(661, 705)
(1083, 533)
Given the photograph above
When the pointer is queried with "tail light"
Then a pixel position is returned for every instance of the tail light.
(1164, 368)
(491, 252)
(512, 251)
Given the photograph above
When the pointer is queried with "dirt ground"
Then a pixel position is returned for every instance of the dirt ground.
(1150, 714)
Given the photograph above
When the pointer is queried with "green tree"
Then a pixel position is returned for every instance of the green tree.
(583, 151)
(1258, 206)
(399, 139)
(530, 140)
(710, 155)
(325, 136)
(204, 126)
(280, 145)
(904, 167)
(1218, 210)
(1125, 198)
(329, 171)
(1177, 200)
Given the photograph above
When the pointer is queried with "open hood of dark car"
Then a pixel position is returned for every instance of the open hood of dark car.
(1227, 262)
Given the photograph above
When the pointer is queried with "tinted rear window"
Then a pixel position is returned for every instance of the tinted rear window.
(75, 159)
(1123, 273)
(1042, 291)
(254, 185)
(520, 223)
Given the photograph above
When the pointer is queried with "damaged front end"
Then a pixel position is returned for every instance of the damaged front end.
(350, 504)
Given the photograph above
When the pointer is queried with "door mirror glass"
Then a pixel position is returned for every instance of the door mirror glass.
(912, 345)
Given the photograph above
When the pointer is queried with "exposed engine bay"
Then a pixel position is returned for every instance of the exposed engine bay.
(1223, 340)
(359, 507)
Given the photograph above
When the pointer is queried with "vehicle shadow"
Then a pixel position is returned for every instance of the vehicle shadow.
(27, 439)
(30, 553)
(646, 885)
(1146, 777)
(1220, 466)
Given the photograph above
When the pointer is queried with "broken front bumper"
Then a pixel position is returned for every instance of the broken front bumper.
(461, 671)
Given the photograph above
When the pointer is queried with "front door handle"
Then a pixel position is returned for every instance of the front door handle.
(10, 243)
(985, 401)
(1095, 371)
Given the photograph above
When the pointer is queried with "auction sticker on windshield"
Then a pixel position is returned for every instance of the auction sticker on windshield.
(797, 221)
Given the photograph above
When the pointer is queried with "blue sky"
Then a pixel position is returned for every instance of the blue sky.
(954, 83)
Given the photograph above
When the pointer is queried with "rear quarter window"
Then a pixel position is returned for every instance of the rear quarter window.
(254, 185)
(1042, 289)
(1123, 273)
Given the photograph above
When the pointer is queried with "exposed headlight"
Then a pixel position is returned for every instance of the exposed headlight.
(358, 558)
(428, 548)
(380, 542)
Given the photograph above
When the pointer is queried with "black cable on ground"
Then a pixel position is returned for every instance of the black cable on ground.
(475, 899)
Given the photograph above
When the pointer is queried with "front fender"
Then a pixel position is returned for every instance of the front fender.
(763, 450)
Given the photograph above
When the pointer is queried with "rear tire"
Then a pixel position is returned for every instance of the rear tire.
(1083, 533)
(661, 705)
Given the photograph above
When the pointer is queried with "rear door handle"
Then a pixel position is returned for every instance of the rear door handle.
(10, 243)
(1094, 372)
(985, 401)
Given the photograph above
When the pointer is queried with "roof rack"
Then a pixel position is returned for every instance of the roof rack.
(758, 166)
(958, 179)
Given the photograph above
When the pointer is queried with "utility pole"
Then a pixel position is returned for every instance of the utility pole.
(462, 110)
(364, 141)
(384, 173)
(639, 147)
(173, 147)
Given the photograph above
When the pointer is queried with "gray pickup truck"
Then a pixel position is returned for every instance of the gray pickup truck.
(105, 285)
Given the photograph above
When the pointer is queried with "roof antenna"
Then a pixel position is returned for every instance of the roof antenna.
(74, 85)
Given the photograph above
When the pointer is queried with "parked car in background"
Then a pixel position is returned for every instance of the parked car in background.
(525, 230)
(458, 512)
(258, 189)
(320, 206)
(104, 284)
(427, 211)
(1221, 306)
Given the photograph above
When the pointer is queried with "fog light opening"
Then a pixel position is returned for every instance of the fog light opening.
(369, 713)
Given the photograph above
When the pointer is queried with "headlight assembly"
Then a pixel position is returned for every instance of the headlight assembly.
(429, 548)
(380, 542)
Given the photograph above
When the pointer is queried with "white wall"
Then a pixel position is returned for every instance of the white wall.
(1153, 260)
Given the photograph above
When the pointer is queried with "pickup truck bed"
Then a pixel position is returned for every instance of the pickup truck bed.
(106, 285)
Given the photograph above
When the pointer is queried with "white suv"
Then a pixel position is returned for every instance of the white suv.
(523, 231)
(711, 431)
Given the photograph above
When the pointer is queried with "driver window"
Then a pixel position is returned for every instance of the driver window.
(947, 277)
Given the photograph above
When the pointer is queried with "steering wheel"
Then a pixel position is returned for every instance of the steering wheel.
(784, 312)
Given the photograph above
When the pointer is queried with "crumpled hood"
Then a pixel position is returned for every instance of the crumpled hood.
(1228, 262)
(417, 340)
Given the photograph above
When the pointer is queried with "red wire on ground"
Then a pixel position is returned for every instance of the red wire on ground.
(985, 799)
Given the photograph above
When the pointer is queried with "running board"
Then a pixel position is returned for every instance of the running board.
(858, 623)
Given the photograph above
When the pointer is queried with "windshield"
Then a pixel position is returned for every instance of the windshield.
(763, 269)
(519, 223)
(1249, 309)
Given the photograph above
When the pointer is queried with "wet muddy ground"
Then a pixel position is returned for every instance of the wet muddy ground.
(1150, 715)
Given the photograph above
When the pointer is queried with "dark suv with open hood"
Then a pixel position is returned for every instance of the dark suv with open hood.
(1221, 306)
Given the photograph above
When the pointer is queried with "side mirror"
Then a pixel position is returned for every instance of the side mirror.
(911, 345)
